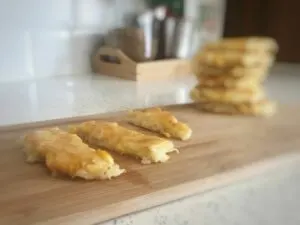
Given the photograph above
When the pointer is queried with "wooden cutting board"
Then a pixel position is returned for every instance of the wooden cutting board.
(223, 149)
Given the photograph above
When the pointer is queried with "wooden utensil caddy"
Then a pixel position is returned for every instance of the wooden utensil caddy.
(113, 62)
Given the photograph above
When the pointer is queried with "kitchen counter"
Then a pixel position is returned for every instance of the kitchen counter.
(268, 199)
(68, 96)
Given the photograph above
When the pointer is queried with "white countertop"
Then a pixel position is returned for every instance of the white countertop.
(269, 199)
(69, 96)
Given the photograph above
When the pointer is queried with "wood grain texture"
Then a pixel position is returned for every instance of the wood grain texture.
(223, 149)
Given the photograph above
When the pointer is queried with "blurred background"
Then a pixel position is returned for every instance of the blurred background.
(273, 18)
(54, 37)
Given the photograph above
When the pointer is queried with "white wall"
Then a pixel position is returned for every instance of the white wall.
(54, 37)
(41, 38)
